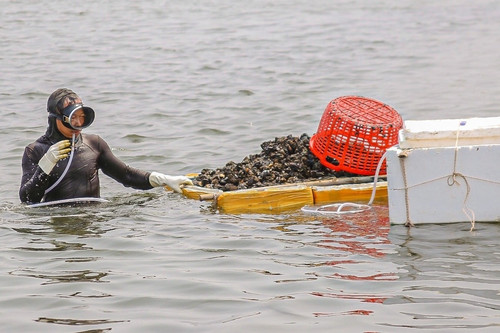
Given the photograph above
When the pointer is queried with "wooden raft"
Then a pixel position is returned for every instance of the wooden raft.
(289, 197)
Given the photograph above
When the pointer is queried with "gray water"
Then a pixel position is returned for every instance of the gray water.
(179, 86)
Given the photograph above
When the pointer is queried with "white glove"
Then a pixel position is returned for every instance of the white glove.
(56, 152)
(174, 182)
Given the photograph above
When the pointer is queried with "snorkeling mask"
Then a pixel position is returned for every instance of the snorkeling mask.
(68, 116)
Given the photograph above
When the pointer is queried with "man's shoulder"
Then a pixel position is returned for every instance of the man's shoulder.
(94, 140)
(92, 137)
(38, 148)
(41, 142)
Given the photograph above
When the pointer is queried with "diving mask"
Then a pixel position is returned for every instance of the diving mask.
(73, 119)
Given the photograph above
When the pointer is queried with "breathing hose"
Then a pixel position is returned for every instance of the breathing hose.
(65, 170)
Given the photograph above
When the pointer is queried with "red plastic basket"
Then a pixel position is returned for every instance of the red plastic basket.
(354, 133)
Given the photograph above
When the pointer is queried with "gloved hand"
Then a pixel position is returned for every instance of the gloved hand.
(174, 182)
(56, 152)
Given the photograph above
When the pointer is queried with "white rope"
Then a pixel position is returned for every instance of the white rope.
(339, 208)
(408, 222)
(451, 180)
(353, 207)
(446, 177)
(467, 211)
(67, 201)
(375, 179)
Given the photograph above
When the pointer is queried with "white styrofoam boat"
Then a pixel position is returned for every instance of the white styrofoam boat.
(445, 171)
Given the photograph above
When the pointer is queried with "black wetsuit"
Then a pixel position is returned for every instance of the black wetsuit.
(82, 179)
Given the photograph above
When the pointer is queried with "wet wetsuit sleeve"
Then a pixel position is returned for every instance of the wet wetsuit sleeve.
(34, 181)
(119, 171)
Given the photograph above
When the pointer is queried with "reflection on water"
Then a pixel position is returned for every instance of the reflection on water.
(355, 239)
(62, 276)
(81, 322)
(68, 228)
(362, 297)
(72, 231)
(48, 228)
(41, 245)
(447, 278)
(352, 235)
(359, 233)
(79, 225)
(84, 220)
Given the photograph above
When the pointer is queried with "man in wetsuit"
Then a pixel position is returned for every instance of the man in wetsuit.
(64, 163)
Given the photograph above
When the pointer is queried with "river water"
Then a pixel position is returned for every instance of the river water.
(179, 86)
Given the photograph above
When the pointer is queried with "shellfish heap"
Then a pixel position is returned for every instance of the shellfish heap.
(284, 160)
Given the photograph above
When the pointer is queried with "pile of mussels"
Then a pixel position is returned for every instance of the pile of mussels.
(284, 160)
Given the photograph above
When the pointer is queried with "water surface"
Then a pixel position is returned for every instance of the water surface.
(179, 86)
